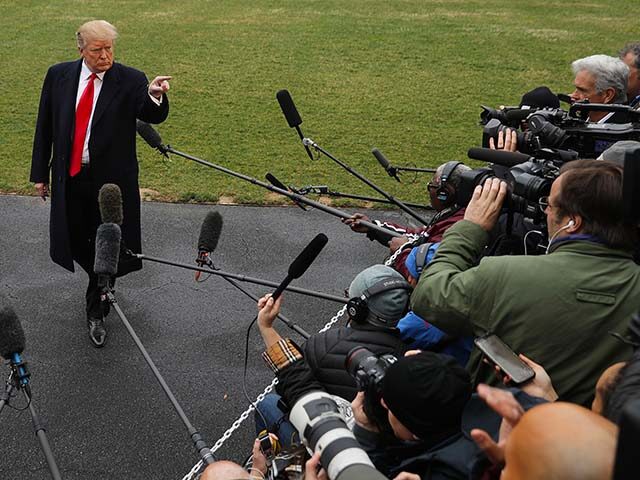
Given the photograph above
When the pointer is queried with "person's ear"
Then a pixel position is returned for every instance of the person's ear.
(609, 95)
(575, 224)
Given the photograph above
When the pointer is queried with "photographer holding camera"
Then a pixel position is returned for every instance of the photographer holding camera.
(557, 308)
(427, 398)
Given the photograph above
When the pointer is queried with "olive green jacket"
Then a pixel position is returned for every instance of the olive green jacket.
(557, 309)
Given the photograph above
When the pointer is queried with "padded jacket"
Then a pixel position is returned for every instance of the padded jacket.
(326, 352)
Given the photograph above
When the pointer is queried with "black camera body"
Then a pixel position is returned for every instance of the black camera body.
(557, 128)
(528, 182)
(369, 370)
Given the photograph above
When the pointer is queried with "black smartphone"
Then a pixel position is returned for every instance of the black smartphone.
(501, 355)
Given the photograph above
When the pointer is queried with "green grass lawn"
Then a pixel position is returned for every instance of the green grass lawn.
(404, 76)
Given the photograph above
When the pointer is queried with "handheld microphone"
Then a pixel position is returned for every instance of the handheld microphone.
(12, 343)
(291, 114)
(302, 262)
(501, 157)
(151, 136)
(110, 203)
(208, 240)
(392, 172)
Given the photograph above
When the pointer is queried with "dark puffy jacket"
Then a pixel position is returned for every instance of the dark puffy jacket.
(325, 353)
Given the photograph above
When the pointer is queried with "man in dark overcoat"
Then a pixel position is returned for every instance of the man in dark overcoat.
(85, 137)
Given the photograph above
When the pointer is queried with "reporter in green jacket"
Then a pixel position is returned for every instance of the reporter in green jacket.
(557, 309)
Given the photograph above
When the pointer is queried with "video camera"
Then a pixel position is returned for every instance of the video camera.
(368, 370)
(557, 128)
(528, 178)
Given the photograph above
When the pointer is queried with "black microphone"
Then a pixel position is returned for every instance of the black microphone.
(105, 266)
(12, 342)
(392, 172)
(110, 203)
(291, 114)
(288, 108)
(277, 183)
(208, 240)
(302, 262)
(501, 157)
(517, 115)
(563, 97)
(151, 136)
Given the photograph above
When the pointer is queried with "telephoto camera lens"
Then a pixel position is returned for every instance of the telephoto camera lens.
(323, 429)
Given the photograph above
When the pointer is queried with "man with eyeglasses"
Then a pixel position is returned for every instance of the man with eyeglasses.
(557, 309)
(442, 190)
(85, 137)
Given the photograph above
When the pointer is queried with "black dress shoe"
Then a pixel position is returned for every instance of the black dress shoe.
(97, 331)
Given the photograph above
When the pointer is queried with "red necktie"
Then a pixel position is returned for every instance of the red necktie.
(83, 113)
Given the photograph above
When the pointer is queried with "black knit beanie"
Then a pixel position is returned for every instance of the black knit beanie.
(427, 393)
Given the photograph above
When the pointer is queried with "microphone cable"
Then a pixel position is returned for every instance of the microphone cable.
(244, 374)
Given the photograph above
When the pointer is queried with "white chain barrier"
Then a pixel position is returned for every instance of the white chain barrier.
(195, 471)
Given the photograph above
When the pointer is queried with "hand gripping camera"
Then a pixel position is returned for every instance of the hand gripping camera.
(368, 370)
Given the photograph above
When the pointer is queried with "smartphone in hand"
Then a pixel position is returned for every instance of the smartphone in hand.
(499, 353)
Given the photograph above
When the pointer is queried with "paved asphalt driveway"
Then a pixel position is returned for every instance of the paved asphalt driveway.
(107, 416)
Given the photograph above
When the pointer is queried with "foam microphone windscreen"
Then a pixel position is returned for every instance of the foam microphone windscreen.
(149, 134)
(381, 158)
(110, 202)
(507, 159)
(11, 333)
(307, 256)
(288, 108)
(210, 232)
(108, 239)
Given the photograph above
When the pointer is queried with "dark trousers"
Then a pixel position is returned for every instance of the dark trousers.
(83, 214)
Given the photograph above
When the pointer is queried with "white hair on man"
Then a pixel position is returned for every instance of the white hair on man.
(608, 72)
(95, 30)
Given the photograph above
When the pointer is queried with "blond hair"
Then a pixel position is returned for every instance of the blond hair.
(95, 30)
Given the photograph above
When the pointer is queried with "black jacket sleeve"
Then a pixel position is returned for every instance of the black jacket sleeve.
(295, 381)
